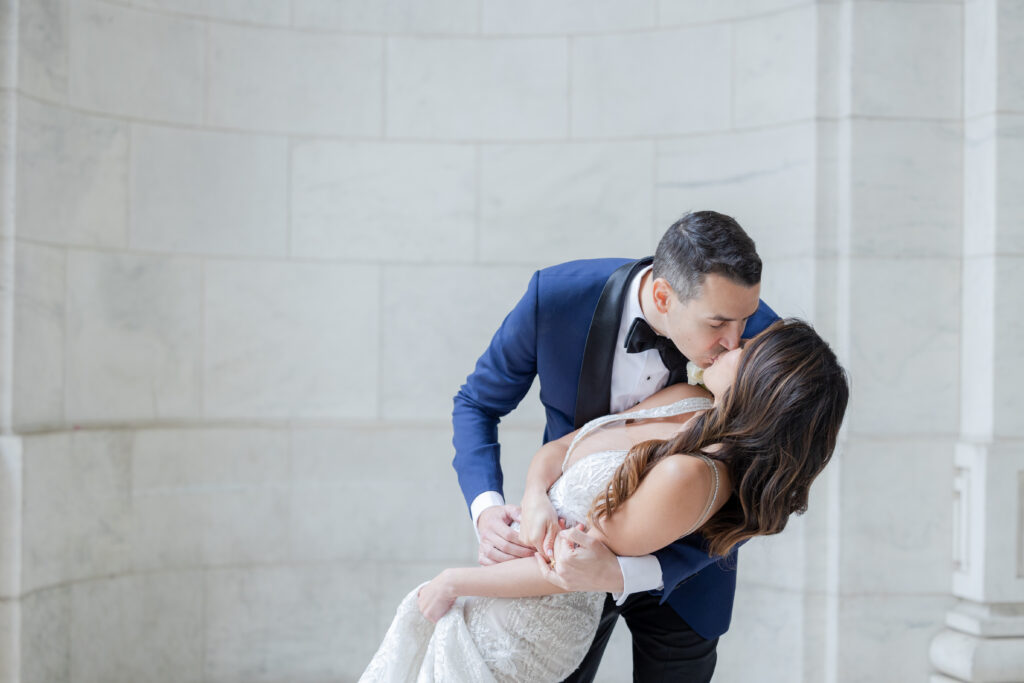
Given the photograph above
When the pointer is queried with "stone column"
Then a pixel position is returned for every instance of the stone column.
(10, 445)
(984, 636)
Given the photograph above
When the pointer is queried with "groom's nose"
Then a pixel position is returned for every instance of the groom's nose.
(731, 335)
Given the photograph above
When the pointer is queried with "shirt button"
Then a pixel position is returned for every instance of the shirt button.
(648, 378)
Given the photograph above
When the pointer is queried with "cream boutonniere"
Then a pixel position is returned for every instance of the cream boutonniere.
(694, 373)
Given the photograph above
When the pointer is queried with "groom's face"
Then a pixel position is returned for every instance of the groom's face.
(711, 323)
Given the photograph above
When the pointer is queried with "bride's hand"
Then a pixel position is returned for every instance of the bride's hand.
(436, 597)
(539, 523)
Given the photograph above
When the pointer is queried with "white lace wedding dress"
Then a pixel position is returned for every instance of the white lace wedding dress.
(521, 640)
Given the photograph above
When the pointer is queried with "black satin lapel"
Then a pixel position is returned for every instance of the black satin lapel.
(593, 393)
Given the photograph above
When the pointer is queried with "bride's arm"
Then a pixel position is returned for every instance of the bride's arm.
(539, 521)
(517, 578)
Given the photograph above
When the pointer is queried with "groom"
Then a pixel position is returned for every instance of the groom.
(602, 335)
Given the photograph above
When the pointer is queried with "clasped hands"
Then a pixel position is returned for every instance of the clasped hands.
(568, 558)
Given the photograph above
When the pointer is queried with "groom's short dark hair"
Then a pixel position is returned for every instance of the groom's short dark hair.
(703, 242)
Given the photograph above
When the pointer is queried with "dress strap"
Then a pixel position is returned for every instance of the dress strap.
(686, 405)
(711, 500)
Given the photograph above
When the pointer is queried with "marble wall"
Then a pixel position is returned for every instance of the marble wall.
(259, 244)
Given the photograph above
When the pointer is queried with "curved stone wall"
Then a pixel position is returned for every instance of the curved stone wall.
(261, 243)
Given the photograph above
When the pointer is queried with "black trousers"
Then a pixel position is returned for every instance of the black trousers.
(665, 648)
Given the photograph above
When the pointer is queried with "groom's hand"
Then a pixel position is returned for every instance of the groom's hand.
(498, 541)
(583, 563)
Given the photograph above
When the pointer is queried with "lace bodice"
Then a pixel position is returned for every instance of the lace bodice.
(581, 481)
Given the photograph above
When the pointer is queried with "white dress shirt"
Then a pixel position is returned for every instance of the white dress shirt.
(635, 376)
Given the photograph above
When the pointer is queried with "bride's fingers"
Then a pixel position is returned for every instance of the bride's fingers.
(549, 542)
(548, 574)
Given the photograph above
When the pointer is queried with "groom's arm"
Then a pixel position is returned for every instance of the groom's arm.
(500, 380)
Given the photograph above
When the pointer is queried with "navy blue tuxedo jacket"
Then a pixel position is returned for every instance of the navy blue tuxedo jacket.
(564, 331)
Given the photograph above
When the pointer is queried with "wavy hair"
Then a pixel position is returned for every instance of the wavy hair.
(774, 429)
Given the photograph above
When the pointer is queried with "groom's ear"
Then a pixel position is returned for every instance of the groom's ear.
(661, 292)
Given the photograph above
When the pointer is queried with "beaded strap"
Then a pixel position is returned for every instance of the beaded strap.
(714, 494)
(687, 405)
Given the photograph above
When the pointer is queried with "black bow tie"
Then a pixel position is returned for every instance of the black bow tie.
(642, 338)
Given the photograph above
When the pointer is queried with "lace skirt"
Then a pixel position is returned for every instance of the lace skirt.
(519, 640)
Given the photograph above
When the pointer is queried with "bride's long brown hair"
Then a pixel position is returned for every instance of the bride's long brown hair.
(776, 428)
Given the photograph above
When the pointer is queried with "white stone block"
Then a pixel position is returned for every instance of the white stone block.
(325, 461)
(388, 16)
(970, 658)
(209, 497)
(386, 521)
(209, 193)
(46, 636)
(832, 61)
(76, 507)
(1008, 359)
(634, 84)
(469, 89)
(72, 176)
(309, 623)
(566, 201)
(1009, 200)
(765, 179)
(452, 319)
(791, 287)
(978, 365)
(904, 346)
(1011, 55)
(197, 459)
(982, 180)
(162, 79)
(676, 12)
(384, 201)
(295, 82)
(290, 340)
(371, 453)
(11, 527)
(907, 60)
(209, 526)
(993, 170)
(906, 188)
(766, 638)
(569, 16)
(9, 29)
(886, 633)
(389, 495)
(898, 539)
(777, 562)
(272, 12)
(133, 337)
(989, 549)
(43, 48)
(10, 641)
(38, 335)
(776, 67)
(981, 57)
(136, 629)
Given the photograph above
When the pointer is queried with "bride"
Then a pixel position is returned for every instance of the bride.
(731, 468)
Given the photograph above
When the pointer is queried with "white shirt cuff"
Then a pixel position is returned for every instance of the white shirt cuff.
(638, 574)
(490, 499)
